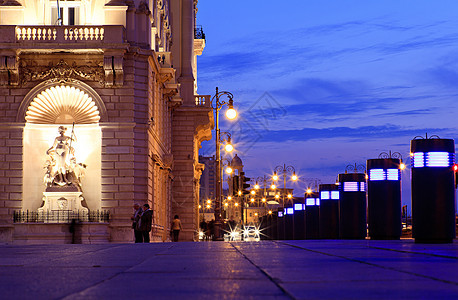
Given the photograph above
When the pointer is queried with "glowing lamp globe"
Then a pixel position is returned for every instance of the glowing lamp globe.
(231, 114)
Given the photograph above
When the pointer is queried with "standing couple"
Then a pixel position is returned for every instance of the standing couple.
(141, 223)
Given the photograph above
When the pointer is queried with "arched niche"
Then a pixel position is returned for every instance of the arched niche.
(55, 89)
(77, 107)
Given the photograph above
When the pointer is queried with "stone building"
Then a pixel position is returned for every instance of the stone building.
(120, 76)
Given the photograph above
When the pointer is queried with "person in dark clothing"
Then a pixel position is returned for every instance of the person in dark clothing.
(135, 220)
(145, 224)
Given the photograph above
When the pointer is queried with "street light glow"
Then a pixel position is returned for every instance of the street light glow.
(277, 196)
(402, 166)
(294, 177)
(231, 113)
(252, 199)
(228, 147)
(256, 186)
(263, 200)
(209, 201)
(309, 190)
(229, 170)
(239, 193)
(270, 212)
(229, 197)
(253, 192)
(226, 204)
(208, 206)
(236, 204)
(290, 196)
(273, 186)
(275, 177)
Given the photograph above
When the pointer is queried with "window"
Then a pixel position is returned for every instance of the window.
(69, 12)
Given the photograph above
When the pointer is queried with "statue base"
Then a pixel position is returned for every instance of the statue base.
(63, 201)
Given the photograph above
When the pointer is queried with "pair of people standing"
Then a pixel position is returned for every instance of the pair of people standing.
(142, 221)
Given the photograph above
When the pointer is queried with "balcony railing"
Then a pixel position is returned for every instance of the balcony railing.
(199, 33)
(203, 100)
(61, 34)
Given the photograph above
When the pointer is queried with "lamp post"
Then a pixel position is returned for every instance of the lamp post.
(284, 170)
(217, 104)
(264, 180)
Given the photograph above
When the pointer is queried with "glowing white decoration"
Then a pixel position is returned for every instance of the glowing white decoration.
(310, 201)
(324, 195)
(350, 186)
(335, 195)
(418, 160)
(376, 174)
(392, 174)
(437, 159)
(298, 206)
(62, 105)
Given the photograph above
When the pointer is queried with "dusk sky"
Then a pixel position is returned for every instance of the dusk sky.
(323, 84)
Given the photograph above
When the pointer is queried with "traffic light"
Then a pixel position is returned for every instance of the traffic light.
(235, 185)
(245, 186)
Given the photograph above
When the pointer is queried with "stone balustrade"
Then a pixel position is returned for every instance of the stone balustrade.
(24, 35)
(203, 100)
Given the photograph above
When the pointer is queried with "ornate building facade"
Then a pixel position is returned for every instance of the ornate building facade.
(120, 77)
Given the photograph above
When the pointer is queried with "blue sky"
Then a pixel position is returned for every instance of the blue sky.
(323, 84)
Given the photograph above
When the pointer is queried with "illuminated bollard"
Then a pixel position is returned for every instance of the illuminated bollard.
(329, 211)
(384, 198)
(352, 206)
(288, 217)
(280, 225)
(299, 221)
(433, 190)
(312, 216)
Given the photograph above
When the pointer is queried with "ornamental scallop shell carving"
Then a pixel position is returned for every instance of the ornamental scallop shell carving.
(62, 104)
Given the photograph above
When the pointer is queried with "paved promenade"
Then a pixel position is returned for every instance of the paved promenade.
(237, 270)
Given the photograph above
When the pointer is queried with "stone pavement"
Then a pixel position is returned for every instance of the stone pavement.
(320, 269)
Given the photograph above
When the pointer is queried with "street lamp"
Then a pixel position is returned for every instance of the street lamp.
(217, 104)
(284, 170)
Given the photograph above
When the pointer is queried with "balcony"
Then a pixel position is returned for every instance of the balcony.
(203, 100)
(65, 36)
(199, 33)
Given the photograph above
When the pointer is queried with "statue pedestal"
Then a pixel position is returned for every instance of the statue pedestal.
(61, 200)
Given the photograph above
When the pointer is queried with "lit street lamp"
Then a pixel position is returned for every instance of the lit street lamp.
(284, 170)
(230, 114)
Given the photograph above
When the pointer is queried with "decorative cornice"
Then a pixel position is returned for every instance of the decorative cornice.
(61, 71)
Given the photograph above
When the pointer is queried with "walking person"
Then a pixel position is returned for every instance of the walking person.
(145, 223)
(176, 227)
(135, 220)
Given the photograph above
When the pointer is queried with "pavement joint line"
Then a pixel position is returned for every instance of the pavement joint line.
(371, 264)
(263, 272)
(81, 292)
(414, 252)
(67, 255)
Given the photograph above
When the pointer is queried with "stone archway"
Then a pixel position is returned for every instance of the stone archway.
(51, 104)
